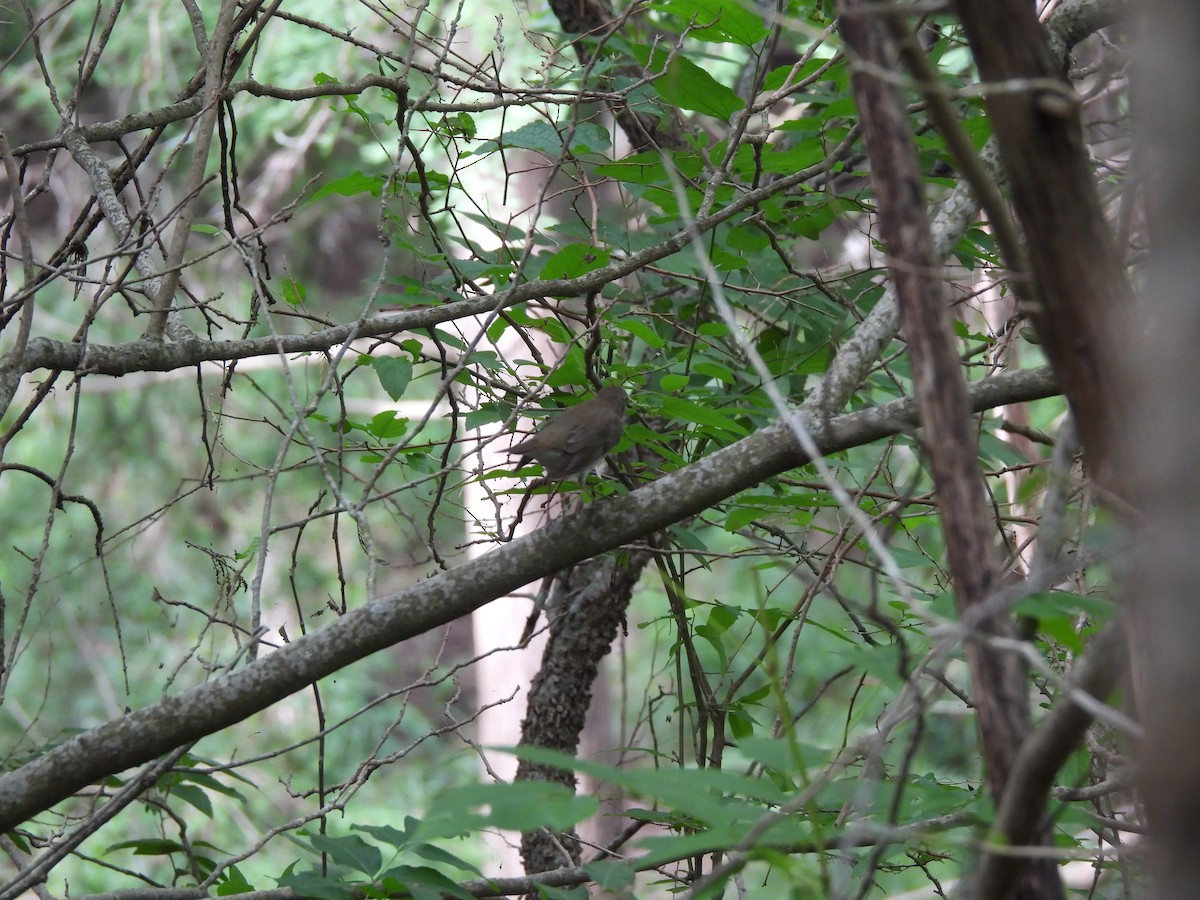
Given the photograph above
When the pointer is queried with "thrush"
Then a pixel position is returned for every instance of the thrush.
(576, 439)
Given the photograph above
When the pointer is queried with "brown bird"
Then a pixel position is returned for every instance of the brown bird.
(578, 438)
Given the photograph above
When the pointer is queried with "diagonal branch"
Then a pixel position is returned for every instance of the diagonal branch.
(380, 623)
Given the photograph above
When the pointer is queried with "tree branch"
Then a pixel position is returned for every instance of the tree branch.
(601, 526)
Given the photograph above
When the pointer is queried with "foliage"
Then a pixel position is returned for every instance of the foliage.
(413, 228)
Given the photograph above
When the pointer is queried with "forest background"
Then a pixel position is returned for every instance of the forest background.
(904, 299)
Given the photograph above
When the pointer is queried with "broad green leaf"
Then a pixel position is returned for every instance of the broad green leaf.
(613, 877)
(394, 374)
(640, 328)
(313, 884)
(909, 559)
(747, 239)
(718, 21)
(194, 796)
(690, 87)
(350, 186)
(588, 137)
(232, 882)
(741, 723)
(150, 847)
(781, 754)
(500, 270)
(436, 854)
(647, 168)
(713, 638)
(458, 125)
(350, 851)
(682, 410)
(741, 516)
(486, 415)
(696, 792)
(686, 85)
(570, 370)
(714, 370)
(518, 806)
(386, 834)
(424, 883)
(540, 136)
(575, 260)
(721, 618)
(294, 292)
(387, 425)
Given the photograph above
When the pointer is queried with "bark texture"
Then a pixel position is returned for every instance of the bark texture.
(998, 685)
(1163, 362)
(587, 607)
(1077, 275)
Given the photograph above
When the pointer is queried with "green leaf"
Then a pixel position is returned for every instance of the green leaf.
(350, 851)
(458, 125)
(647, 168)
(294, 292)
(499, 270)
(519, 806)
(486, 414)
(394, 374)
(909, 559)
(386, 834)
(575, 260)
(194, 796)
(721, 618)
(813, 220)
(351, 185)
(690, 87)
(780, 754)
(571, 369)
(540, 136)
(589, 138)
(640, 328)
(719, 21)
(747, 239)
(149, 847)
(1058, 615)
(713, 639)
(686, 411)
(313, 884)
(612, 877)
(416, 293)
(741, 516)
(446, 858)
(424, 883)
(387, 425)
(704, 794)
(741, 724)
(714, 370)
(249, 552)
(449, 339)
(232, 881)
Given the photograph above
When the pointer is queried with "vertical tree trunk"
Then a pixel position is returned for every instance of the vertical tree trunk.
(998, 687)
(1077, 274)
(1163, 361)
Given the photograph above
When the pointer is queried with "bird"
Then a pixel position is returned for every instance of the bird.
(577, 438)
